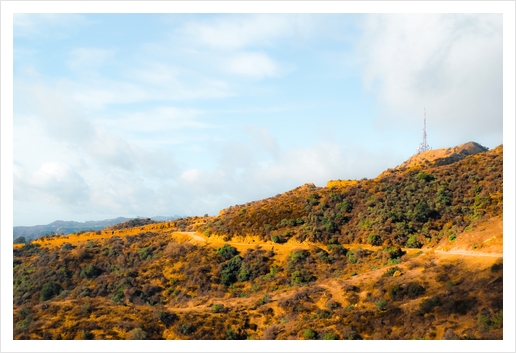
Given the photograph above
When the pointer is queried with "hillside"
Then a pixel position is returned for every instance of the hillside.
(413, 254)
(408, 207)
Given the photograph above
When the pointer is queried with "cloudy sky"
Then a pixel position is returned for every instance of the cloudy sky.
(186, 114)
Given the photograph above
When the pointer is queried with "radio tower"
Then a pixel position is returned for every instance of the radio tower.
(423, 147)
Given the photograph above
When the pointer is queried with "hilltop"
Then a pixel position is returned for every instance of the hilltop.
(442, 156)
(415, 253)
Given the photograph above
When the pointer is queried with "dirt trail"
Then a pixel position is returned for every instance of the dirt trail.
(410, 251)
(468, 253)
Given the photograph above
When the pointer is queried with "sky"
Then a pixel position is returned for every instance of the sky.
(186, 114)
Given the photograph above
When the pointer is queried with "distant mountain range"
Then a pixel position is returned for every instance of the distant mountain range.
(67, 227)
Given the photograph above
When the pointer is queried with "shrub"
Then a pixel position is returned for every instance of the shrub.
(23, 325)
(277, 239)
(452, 237)
(429, 304)
(227, 251)
(166, 318)
(332, 304)
(412, 242)
(329, 336)
(394, 290)
(185, 329)
(86, 335)
(374, 239)
(390, 272)
(90, 271)
(393, 252)
(231, 335)
(336, 248)
(381, 305)
(230, 270)
(424, 176)
(297, 256)
(144, 253)
(136, 334)
(67, 246)
(265, 299)
(49, 290)
(485, 322)
(351, 257)
(309, 334)
(217, 308)
(300, 277)
(414, 290)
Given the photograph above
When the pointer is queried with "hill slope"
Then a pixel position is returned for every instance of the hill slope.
(361, 261)
(405, 207)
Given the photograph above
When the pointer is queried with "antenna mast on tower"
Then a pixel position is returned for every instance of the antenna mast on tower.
(423, 147)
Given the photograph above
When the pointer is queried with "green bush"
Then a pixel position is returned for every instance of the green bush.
(231, 335)
(185, 329)
(231, 270)
(90, 271)
(429, 304)
(309, 334)
(394, 290)
(23, 325)
(297, 256)
(329, 336)
(381, 305)
(227, 251)
(166, 318)
(300, 277)
(452, 237)
(49, 290)
(390, 272)
(424, 176)
(277, 239)
(412, 242)
(86, 335)
(487, 321)
(414, 290)
(393, 252)
(374, 239)
(67, 246)
(217, 308)
(136, 334)
(144, 253)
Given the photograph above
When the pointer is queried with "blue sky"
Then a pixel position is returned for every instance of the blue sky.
(186, 114)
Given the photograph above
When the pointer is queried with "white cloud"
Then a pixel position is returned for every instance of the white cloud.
(58, 25)
(252, 64)
(235, 32)
(161, 119)
(263, 139)
(62, 117)
(57, 182)
(450, 63)
(81, 58)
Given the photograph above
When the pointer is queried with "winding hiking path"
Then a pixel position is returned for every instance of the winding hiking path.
(458, 252)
